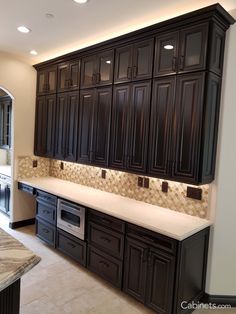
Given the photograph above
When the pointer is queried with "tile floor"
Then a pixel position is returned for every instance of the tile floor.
(57, 285)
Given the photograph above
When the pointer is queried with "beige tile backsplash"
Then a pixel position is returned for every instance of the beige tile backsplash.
(117, 182)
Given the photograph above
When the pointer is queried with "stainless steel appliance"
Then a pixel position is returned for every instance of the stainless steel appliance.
(5, 192)
(71, 218)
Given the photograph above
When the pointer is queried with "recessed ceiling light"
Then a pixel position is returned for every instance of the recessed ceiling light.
(33, 52)
(80, 1)
(168, 47)
(49, 15)
(23, 29)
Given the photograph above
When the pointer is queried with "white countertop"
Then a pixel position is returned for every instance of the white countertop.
(6, 170)
(165, 221)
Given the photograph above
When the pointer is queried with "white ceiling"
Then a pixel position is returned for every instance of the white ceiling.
(75, 26)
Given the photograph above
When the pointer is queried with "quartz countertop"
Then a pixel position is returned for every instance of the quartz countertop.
(165, 221)
(6, 170)
(15, 259)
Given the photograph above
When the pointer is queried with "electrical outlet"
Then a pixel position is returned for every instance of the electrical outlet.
(140, 182)
(164, 186)
(62, 165)
(194, 193)
(103, 174)
(35, 163)
(146, 183)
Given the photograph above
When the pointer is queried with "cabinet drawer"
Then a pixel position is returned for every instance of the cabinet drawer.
(46, 197)
(107, 240)
(152, 238)
(107, 221)
(105, 266)
(26, 188)
(46, 211)
(45, 231)
(71, 246)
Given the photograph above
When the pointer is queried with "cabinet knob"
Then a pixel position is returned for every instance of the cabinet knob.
(174, 64)
(129, 73)
(135, 71)
(181, 63)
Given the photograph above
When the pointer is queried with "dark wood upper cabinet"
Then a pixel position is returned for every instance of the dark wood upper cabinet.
(47, 81)
(66, 126)
(161, 126)
(94, 126)
(45, 126)
(5, 122)
(68, 76)
(182, 51)
(119, 125)
(134, 62)
(138, 126)
(97, 69)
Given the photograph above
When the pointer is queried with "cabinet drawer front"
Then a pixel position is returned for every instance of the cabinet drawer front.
(107, 221)
(46, 211)
(46, 197)
(105, 266)
(45, 232)
(107, 240)
(152, 238)
(71, 246)
(26, 188)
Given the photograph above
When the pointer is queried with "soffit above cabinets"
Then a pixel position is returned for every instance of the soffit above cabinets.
(76, 26)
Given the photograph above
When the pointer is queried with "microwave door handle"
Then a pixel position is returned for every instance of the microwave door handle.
(70, 210)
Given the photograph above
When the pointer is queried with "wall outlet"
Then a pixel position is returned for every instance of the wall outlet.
(194, 193)
(164, 187)
(62, 165)
(103, 174)
(140, 182)
(35, 163)
(146, 183)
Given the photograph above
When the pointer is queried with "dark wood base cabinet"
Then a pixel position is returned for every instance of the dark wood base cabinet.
(10, 299)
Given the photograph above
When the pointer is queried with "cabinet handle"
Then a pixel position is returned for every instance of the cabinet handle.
(174, 64)
(181, 63)
(129, 73)
(45, 230)
(45, 211)
(94, 78)
(104, 263)
(98, 78)
(105, 239)
(71, 245)
(107, 221)
(135, 71)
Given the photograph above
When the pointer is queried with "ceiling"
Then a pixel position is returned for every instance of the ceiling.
(76, 26)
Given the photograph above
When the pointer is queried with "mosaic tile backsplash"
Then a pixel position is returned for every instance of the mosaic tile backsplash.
(117, 182)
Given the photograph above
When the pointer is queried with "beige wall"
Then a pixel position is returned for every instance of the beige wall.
(221, 275)
(19, 80)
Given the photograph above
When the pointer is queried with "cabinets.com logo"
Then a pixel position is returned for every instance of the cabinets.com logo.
(202, 306)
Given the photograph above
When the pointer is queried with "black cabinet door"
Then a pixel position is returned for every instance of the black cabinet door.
(166, 54)
(118, 141)
(160, 281)
(101, 126)
(45, 126)
(193, 47)
(74, 75)
(62, 83)
(138, 126)
(72, 118)
(47, 81)
(161, 126)
(85, 126)
(143, 59)
(88, 71)
(187, 126)
(105, 64)
(123, 64)
(60, 126)
(68, 76)
(135, 268)
(5, 122)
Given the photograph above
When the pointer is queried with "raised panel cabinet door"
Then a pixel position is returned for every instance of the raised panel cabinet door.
(62, 84)
(193, 48)
(42, 82)
(143, 59)
(188, 127)
(52, 80)
(161, 126)
(88, 71)
(118, 140)
(160, 282)
(138, 126)
(47, 81)
(85, 126)
(105, 65)
(166, 54)
(74, 75)
(123, 64)
(60, 126)
(72, 118)
(39, 133)
(135, 268)
(101, 126)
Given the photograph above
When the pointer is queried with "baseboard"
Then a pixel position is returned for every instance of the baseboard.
(22, 223)
(220, 299)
